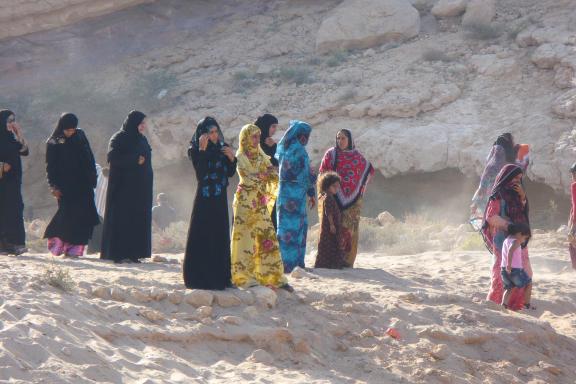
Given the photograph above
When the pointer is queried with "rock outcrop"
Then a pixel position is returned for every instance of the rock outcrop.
(367, 23)
(20, 17)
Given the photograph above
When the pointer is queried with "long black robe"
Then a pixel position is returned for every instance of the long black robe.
(12, 231)
(207, 258)
(71, 169)
(127, 232)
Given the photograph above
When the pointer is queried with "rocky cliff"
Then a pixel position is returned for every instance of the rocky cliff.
(20, 17)
(423, 85)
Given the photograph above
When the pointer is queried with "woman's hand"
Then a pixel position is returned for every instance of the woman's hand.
(229, 153)
(141, 160)
(518, 188)
(203, 142)
(311, 202)
(7, 167)
(270, 141)
(57, 194)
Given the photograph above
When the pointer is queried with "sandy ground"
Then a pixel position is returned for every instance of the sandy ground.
(136, 324)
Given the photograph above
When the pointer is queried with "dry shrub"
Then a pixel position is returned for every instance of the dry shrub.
(58, 277)
(433, 55)
(172, 239)
(481, 31)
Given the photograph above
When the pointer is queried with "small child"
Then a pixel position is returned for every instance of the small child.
(572, 220)
(513, 271)
(332, 244)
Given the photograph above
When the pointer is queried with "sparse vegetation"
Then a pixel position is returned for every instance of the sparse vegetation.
(297, 75)
(244, 81)
(472, 242)
(58, 277)
(481, 31)
(434, 55)
(338, 58)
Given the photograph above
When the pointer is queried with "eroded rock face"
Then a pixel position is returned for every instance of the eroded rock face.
(20, 17)
(449, 8)
(479, 12)
(367, 23)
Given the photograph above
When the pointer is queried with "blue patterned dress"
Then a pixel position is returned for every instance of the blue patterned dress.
(296, 182)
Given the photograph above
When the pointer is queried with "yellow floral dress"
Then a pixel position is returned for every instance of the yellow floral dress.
(255, 254)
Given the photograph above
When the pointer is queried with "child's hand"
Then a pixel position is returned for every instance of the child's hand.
(332, 229)
(509, 269)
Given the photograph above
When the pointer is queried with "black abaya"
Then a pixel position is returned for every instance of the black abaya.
(12, 232)
(71, 170)
(127, 231)
(207, 258)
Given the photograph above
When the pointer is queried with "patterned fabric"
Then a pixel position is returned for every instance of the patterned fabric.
(354, 170)
(255, 255)
(351, 224)
(504, 202)
(331, 246)
(296, 181)
(494, 163)
(58, 247)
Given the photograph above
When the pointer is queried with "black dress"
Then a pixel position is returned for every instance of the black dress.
(207, 259)
(71, 169)
(11, 203)
(127, 232)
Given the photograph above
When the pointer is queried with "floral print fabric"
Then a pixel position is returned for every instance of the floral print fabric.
(255, 254)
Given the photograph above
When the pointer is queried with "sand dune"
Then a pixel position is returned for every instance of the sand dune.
(136, 324)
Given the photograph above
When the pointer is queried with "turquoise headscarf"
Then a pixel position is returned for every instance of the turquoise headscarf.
(290, 142)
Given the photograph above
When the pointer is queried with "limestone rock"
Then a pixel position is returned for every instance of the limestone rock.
(565, 76)
(449, 8)
(151, 315)
(204, 312)
(479, 12)
(440, 352)
(492, 65)
(159, 259)
(175, 297)
(38, 15)
(565, 105)
(232, 320)
(261, 356)
(102, 293)
(386, 218)
(357, 24)
(199, 298)
(118, 294)
(265, 296)
(227, 299)
(548, 55)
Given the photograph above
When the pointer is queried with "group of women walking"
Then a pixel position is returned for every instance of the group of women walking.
(270, 225)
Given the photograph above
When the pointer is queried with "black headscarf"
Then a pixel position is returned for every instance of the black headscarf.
(264, 122)
(349, 136)
(202, 128)
(505, 140)
(133, 120)
(5, 135)
(66, 121)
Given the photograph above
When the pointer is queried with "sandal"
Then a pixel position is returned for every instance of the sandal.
(529, 306)
(287, 287)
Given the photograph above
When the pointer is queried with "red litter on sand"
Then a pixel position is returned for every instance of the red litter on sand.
(393, 332)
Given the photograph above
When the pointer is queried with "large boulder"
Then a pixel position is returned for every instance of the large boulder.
(548, 55)
(367, 23)
(449, 8)
(479, 12)
(565, 105)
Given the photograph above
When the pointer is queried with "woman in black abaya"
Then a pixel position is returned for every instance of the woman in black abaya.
(71, 172)
(12, 147)
(207, 259)
(127, 230)
(268, 124)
